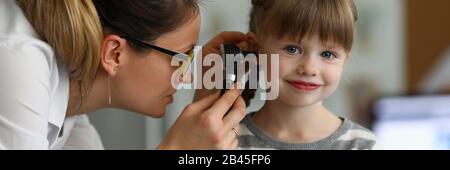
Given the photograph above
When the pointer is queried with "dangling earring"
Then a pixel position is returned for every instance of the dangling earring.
(109, 90)
(109, 87)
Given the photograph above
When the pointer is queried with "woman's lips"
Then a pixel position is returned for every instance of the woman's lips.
(170, 97)
(304, 86)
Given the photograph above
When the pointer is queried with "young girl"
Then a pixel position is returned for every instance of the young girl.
(313, 39)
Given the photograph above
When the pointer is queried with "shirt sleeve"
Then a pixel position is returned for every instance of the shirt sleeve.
(24, 95)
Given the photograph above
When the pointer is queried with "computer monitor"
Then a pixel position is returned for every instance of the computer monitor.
(413, 122)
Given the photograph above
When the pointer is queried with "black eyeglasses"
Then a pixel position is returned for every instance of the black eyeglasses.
(185, 57)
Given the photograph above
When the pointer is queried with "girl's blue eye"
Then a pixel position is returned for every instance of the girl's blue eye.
(293, 50)
(328, 55)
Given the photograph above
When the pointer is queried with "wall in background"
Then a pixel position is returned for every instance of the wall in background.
(120, 129)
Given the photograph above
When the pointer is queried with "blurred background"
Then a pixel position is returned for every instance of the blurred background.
(397, 82)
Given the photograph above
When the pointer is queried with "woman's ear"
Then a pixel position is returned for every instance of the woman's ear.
(112, 54)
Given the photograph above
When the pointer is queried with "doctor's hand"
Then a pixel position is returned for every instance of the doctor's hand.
(208, 124)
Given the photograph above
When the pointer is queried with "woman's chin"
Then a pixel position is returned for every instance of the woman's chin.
(154, 112)
(157, 113)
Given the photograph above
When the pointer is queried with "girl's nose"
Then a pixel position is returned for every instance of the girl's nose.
(308, 67)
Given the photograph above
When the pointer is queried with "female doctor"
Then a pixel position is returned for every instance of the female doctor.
(60, 59)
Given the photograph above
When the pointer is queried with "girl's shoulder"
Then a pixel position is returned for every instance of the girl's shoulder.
(355, 136)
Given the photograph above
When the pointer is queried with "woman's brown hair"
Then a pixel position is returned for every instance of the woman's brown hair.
(74, 28)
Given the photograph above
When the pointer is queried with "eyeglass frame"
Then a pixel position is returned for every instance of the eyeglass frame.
(181, 56)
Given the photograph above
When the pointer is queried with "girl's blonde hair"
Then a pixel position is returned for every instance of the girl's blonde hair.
(331, 20)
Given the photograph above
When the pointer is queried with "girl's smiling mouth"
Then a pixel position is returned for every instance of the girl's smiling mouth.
(304, 85)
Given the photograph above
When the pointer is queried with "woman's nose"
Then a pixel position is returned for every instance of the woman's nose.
(185, 77)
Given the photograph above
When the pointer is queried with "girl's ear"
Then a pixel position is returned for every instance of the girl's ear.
(347, 57)
(252, 42)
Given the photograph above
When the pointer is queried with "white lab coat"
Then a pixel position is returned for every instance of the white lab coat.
(34, 91)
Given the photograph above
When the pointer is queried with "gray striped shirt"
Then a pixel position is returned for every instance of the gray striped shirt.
(350, 136)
